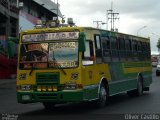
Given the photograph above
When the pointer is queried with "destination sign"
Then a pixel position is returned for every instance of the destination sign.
(61, 45)
(50, 36)
(63, 64)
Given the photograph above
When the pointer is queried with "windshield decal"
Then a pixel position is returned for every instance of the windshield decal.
(65, 53)
(34, 52)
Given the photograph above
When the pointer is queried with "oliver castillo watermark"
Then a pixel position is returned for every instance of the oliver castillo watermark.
(6, 116)
(142, 116)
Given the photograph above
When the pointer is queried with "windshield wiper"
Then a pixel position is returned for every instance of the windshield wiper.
(30, 73)
(60, 67)
(32, 58)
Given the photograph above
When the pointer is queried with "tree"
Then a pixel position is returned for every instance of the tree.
(158, 44)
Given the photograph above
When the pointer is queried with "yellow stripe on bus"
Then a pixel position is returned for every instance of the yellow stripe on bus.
(134, 70)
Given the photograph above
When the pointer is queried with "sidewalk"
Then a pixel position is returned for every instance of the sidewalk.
(7, 81)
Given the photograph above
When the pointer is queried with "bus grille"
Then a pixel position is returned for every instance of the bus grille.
(47, 78)
(47, 96)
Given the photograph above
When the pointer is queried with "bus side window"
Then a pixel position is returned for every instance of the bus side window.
(122, 49)
(128, 49)
(97, 42)
(88, 55)
(148, 51)
(139, 50)
(106, 49)
(98, 47)
(135, 50)
(143, 50)
(114, 49)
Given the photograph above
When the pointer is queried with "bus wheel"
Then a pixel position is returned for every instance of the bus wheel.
(49, 105)
(103, 96)
(139, 90)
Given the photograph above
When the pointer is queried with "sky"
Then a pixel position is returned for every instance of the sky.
(136, 17)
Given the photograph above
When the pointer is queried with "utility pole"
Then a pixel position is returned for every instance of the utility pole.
(57, 9)
(112, 16)
(97, 23)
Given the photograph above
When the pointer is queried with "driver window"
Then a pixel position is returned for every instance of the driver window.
(88, 55)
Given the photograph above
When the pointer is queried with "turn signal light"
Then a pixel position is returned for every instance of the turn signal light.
(44, 89)
(54, 88)
(39, 89)
(50, 88)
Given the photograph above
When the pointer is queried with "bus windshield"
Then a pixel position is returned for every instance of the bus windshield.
(49, 55)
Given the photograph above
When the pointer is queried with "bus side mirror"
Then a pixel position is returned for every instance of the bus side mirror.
(13, 39)
(81, 41)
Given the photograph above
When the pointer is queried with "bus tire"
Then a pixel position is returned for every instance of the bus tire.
(139, 90)
(49, 105)
(103, 96)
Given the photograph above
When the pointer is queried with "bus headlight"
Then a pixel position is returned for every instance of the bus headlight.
(25, 87)
(70, 86)
(22, 76)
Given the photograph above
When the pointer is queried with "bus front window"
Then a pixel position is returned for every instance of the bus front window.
(34, 53)
(52, 55)
(63, 54)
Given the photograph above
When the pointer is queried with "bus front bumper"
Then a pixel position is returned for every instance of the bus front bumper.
(57, 97)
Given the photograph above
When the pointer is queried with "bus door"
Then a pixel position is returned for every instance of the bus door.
(101, 69)
(88, 70)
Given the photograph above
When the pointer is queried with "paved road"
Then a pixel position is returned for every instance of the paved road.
(119, 104)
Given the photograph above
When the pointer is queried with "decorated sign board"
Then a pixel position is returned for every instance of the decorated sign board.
(50, 36)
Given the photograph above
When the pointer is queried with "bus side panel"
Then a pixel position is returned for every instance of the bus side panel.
(124, 76)
(91, 77)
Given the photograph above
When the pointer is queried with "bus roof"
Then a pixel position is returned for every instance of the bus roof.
(82, 29)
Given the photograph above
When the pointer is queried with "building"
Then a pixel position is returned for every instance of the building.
(16, 15)
(9, 15)
(32, 10)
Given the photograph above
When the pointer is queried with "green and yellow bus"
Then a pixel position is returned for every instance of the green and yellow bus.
(78, 64)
